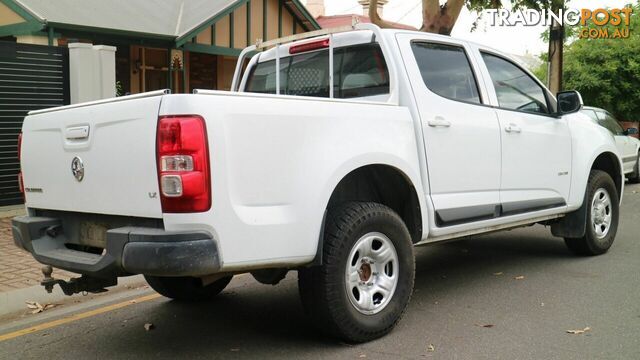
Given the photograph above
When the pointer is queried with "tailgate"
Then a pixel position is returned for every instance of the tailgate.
(114, 143)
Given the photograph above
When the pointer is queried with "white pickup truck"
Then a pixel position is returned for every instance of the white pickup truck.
(333, 156)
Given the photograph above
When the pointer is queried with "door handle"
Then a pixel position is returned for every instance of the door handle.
(439, 121)
(77, 133)
(513, 128)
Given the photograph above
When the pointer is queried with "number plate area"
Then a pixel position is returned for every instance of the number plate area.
(93, 234)
(88, 232)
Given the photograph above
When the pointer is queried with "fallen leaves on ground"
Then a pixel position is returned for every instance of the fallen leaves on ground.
(521, 277)
(498, 273)
(149, 326)
(431, 348)
(485, 325)
(578, 332)
(36, 307)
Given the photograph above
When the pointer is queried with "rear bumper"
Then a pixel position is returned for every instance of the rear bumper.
(129, 250)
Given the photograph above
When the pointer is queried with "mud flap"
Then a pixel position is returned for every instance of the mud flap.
(573, 225)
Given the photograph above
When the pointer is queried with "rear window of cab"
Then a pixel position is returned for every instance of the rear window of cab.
(359, 71)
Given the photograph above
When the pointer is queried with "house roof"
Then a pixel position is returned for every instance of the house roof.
(166, 18)
(341, 20)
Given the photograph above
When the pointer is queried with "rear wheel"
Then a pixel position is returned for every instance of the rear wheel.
(602, 216)
(186, 288)
(362, 288)
(635, 175)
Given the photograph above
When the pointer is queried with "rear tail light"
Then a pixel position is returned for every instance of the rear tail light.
(183, 164)
(20, 180)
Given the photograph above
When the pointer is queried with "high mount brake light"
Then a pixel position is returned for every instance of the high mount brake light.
(183, 164)
(309, 46)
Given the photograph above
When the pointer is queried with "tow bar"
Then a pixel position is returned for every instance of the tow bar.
(76, 285)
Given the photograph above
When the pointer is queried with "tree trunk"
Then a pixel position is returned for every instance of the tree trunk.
(436, 18)
(440, 19)
(556, 46)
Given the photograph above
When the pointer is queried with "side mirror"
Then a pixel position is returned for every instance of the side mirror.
(631, 131)
(569, 102)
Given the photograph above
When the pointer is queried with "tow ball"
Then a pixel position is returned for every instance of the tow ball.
(76, 285)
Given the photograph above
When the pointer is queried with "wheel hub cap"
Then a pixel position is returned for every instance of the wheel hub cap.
(601, 213)
(371, 274)
(365, 272)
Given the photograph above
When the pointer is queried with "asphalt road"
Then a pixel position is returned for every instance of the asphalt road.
(459, 288)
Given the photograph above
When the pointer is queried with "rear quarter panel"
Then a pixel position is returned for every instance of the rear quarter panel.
(275, 161)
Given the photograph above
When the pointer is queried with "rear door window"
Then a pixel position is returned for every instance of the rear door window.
(446, 71)
(359, 71)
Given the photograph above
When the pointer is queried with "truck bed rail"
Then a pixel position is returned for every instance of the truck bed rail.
(103, 101)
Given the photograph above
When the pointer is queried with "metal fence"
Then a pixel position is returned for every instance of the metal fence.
(32, 77)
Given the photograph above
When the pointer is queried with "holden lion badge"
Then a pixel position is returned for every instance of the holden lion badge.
(77, 168)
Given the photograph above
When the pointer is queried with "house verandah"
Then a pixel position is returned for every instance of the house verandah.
(196, 47)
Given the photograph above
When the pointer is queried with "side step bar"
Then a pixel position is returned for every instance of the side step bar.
(489, 229)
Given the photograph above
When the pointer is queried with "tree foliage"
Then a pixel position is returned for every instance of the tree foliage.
(605, 71)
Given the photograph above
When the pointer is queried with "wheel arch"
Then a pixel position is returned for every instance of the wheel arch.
(610, 163)
(382, 183)
(386, 185)
(574, 224)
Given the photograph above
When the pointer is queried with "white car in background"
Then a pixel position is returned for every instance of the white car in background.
(628, 146)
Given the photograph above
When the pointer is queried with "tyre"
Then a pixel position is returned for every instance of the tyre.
(602, 216)
(364, 285)
(186, 288)
(634, 177)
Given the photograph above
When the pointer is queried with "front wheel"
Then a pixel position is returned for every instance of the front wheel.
(363, 287)
(186, 288)
(602, 216)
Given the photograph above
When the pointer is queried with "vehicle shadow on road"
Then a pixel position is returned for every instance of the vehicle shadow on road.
(472, 261)
(268, 321)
